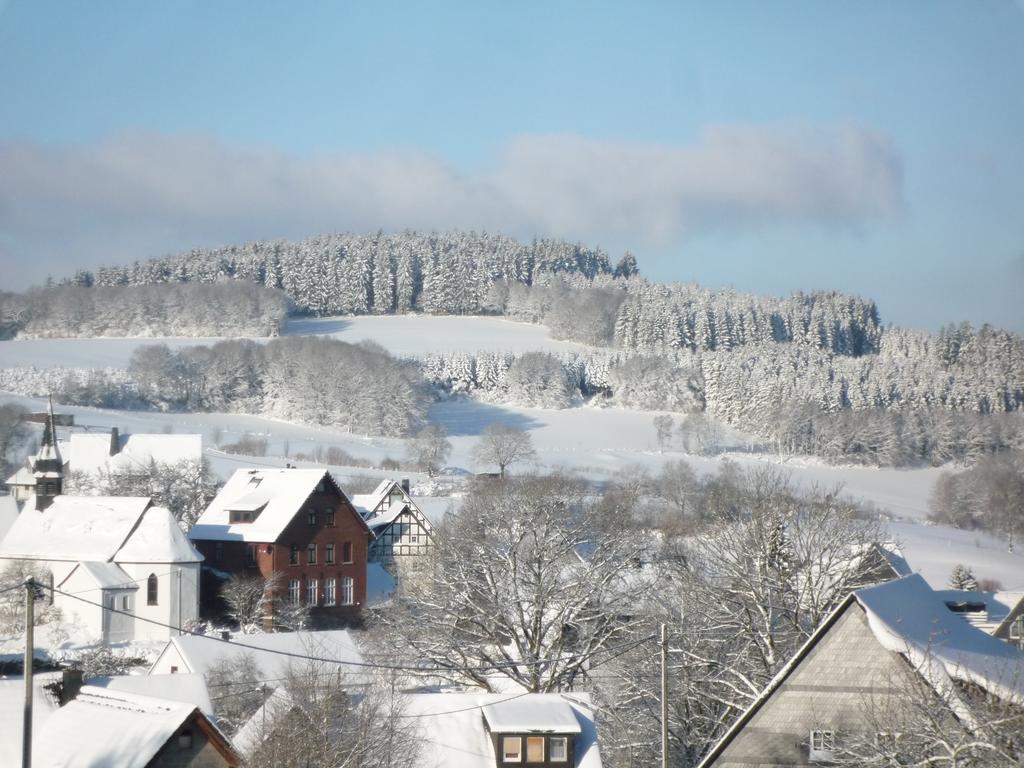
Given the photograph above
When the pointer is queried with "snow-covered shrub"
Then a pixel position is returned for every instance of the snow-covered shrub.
(538, 379)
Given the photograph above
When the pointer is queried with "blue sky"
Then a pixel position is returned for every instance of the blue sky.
(871, 147)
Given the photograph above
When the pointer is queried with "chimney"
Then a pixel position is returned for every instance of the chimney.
(225, 634)
(70, 685)
(405, 485)
(115, 441)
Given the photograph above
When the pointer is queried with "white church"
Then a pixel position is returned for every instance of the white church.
(119, 566)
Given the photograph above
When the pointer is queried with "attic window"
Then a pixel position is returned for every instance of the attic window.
(511, 749)
(823, 745)
(558, 749)
(535, 749)
(185, 740)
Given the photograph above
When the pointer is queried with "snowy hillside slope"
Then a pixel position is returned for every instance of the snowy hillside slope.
(401, 335)
(597, 443)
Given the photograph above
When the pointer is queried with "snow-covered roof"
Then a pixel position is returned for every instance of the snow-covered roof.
(894, 556)
(434, 508)
(24, 476)
(542, 712)
(104, 727)
(200, 653)
(455, 734)
(106, 575)
(181, 686)
(906, 616)
(255, 730)
(75, 528)
(158, 539)
(367, 503)
(99, 529)
(12, 703)
(279, 492)
(985, 610)
(90, 452)
(9, 511)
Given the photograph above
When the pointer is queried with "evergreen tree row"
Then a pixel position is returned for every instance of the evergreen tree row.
(438, 273)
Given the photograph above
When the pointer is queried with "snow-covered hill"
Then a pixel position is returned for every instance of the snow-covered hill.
(402, 335)
(594, 441)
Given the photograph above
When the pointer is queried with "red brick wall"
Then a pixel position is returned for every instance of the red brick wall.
(274, 556)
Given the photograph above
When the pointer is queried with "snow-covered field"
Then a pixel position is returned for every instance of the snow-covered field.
(596, 442)
(403, 335)
(414, 335)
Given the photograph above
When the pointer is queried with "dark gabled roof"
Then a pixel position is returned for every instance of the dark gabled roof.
(777, 681)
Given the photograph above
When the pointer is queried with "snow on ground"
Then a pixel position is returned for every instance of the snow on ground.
(81, 353)
(402, 335)
(414, 335)
(933, 550)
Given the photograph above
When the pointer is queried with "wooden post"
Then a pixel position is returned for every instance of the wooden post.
(26, 728)
(664, 696)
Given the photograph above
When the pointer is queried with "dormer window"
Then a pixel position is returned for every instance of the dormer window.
(511, 749)
(558, 749)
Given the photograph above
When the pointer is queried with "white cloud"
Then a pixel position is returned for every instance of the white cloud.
(140, 195)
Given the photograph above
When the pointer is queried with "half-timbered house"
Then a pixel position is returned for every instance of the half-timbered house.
(403, 536)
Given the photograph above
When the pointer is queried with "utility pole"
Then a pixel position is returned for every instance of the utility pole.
(30, 620)
(664, 696)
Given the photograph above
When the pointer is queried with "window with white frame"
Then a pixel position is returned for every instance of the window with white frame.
(329, 593)
(347, 590)
(329, 554)
(126, 603)
(823, 745)
(311, 591)
(294, 591)
(535, 749)
(558, 749)
(512, 749)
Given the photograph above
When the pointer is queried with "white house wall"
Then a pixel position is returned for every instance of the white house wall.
(86, 615)
(177, 597)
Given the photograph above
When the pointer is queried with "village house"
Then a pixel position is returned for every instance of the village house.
(403, 536)
(297, 523)
(107, 727)
(843, 686)
(118, 565)
(90, 456)
(274, 653)
(497, 730)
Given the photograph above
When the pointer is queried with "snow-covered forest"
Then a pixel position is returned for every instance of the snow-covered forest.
(309, 380)
(811, 373)
(186, 309)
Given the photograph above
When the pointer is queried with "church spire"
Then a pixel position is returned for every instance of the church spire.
(48, 465)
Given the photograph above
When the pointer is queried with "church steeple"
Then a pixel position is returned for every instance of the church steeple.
(48, 465)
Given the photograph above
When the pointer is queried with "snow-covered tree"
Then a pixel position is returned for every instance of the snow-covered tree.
(962, 578)
(503, 445)
(429, 448)
(509, 597)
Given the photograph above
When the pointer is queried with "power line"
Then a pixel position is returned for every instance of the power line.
(306, 657)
